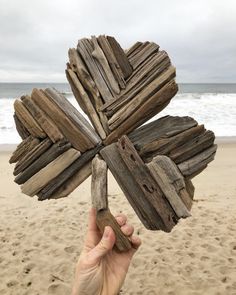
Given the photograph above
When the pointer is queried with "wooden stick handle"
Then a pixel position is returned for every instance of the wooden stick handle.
(104, 218)
(100, 203)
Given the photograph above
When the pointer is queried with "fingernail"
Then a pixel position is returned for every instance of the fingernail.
(106, 232)
(119, 219)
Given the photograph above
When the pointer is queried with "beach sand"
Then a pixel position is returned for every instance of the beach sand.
(40, 241)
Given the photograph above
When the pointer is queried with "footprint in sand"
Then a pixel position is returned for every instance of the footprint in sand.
(58, 289)
(71, 249)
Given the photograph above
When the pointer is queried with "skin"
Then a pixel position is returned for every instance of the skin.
(100, 269)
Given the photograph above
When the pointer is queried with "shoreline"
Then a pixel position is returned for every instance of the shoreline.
(225, 140)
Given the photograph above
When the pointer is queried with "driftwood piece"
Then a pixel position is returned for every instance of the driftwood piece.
(140, 79)
(48, 156)
(146, 182)
(23, 132)
(55, 184)
(114, 65)
(120, 57)
(101, 58)
(71, 132)
(145, 211)
(73, 182)
(32, 155)
(148, 109)
(132, 49)
(42, 119)
(190, 168)
(23, 148)
(165, 127)
(143, 54)
(78, 66)
(85, 50)
(32, 186)
(100, 203)
(90, 110)
(96, 101)
(172, 184)
(27, 120)
(123, 113)
(193, 147)
(73, 114)
(170, 145)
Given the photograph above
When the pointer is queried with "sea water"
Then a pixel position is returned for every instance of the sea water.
(213, 105)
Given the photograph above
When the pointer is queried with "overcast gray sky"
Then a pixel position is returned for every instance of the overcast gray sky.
(199, 35)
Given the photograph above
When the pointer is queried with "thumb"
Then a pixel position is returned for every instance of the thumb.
(104, 246)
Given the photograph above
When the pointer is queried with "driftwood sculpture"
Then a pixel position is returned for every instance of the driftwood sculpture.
(119, 91)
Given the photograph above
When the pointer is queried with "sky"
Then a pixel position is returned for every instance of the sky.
(199, 35)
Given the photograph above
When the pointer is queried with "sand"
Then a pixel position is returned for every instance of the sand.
(41, 241)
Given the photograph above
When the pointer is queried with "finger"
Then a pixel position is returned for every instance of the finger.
(127, 229)
(121, 219)
(92, 225)
(136, 242)
(104, 246)
(93, 234)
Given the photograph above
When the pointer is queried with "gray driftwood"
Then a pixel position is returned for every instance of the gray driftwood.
(65, 175)
(100, 203)
(23, 148)
(32, 186)
(48, 156)
(172, 184)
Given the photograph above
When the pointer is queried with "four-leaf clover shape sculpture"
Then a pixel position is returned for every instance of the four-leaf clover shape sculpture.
(118, 91)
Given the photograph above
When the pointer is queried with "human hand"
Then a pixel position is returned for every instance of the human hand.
(101, 270)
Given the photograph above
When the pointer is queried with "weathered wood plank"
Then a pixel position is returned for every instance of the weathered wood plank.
(144, 210)
(32, 186)
(193, 166)
(73, 114)
(146, 182)
(77, 138)
(114, 65)
(138, 49)
(48, 156)
(23, 148)
(23, 132)
(100, 203)
(32, 155)
(42, 119)
(104, 218)
(75, 90)
(192, 147)
(84, 49)
(78, 66)
(132, 49)
(164, 127)
(143, 54)
(94, 97)
(138, 81)
(99, 184)
(148, 109)
(172, 184)
(73, 182)
(123, 113)
(169, 145)
(54, 185)
(99, 55)
(92, 114)
(27, 120)
(120, 57)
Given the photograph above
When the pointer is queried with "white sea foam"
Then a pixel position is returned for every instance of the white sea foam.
(216, 111)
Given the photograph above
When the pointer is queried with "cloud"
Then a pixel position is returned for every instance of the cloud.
(198, 35)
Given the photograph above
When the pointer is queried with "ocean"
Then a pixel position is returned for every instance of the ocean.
(213, 105)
